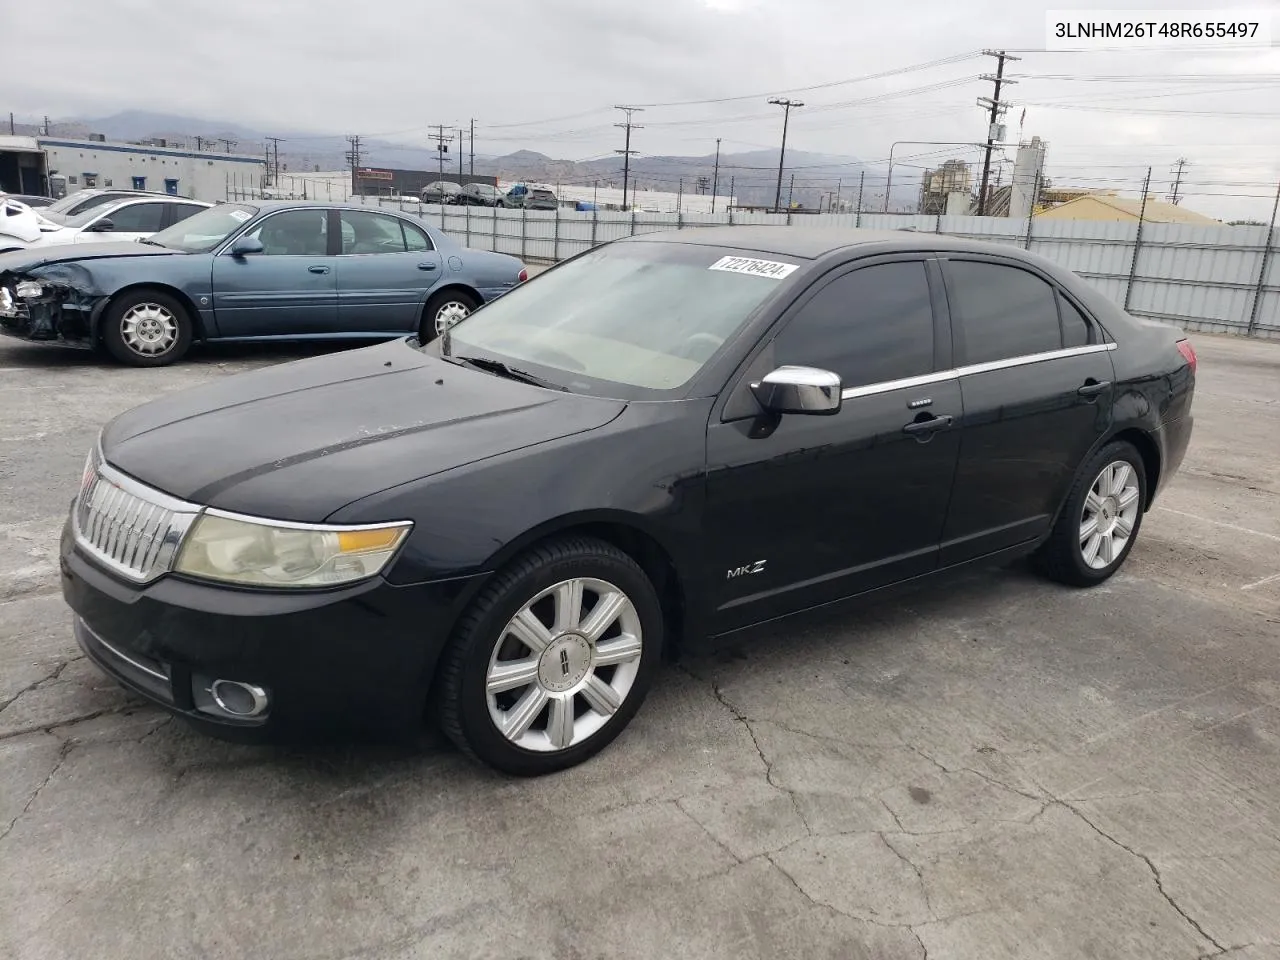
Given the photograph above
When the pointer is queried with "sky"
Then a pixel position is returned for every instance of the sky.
(546, 76)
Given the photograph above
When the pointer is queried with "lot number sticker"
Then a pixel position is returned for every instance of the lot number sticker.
(770, 269)
(240, 215)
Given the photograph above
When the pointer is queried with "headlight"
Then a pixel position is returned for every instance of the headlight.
(27, 289)
(6, 301)
(272, 554)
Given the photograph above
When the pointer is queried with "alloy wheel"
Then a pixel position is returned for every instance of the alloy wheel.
(450, 312)
(564, 665)
(149, 329)
(1109, 514)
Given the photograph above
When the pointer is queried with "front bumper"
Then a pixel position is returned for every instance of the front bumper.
(358, 660)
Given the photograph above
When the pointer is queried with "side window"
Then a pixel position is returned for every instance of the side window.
(869, 326)
(415, 240)
(180, 211)
(364, 233)
(1075, 328)
(137, 218)
(1002, 311)
(296, 233)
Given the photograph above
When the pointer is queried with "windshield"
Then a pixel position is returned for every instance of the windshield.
(204, 231)
(634, 320)
(67, 202)
(83, 218)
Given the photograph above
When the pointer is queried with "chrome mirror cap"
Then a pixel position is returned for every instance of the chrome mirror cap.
(792, 389)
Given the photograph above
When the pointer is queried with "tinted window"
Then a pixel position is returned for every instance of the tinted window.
(1075, 329)
(180, 211)
(1002, 311)
(869, 326)
(370, 233)
(296, 233)
(415, 240)
(137, 218)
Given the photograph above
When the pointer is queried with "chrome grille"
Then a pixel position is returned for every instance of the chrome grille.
(126, 525)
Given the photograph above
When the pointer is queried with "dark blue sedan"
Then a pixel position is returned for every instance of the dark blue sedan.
(270, 270)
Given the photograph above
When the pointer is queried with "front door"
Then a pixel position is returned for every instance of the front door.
(289, 289)
(807, 509)
(130, 222)
(1036, 378)
(386, 267)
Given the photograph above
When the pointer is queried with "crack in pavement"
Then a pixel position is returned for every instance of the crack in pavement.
(924, 887)
(57, 672)
(63, 751)
(1155, 873)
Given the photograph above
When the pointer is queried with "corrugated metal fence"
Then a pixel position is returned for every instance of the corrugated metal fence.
(1217, 279)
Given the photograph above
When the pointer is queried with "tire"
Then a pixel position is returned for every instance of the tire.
(562, 707)
(439, 307)
(147, 328)
(1076, 556)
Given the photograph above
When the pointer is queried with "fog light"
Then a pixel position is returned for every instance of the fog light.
(28, 289)
(238, 699)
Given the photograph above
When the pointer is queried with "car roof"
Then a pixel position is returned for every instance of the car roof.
(810, 243)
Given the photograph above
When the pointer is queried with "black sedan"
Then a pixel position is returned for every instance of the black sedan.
(651, 447)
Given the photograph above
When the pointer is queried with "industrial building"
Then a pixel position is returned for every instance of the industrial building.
(55, 166)
(946, 189)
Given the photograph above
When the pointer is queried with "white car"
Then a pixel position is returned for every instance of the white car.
(136, 218)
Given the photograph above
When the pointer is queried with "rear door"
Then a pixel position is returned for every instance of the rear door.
(132, 221)
(1036, 378)
(385, 269)
(803, 510)
(289, 289)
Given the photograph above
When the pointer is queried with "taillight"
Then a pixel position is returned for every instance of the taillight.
(524, 275)
(1188, 353)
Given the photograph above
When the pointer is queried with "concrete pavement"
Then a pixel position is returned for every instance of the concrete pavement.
(996, 768)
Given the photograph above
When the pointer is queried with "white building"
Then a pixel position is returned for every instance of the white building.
(201, 175)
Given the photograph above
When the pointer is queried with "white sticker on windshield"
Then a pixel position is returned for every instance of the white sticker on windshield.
(771, 269)
(239, 216)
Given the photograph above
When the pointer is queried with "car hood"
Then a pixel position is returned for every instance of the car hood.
(21, 260)
(300, 440)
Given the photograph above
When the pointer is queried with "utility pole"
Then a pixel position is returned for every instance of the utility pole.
(791, 189)
(46, 125)
(997, 110)
(199, 144)
(275, 175)
(715, 177)
(11, 123)
(353, 158)
(473, 147)
(626, 150)
(442, 147)
(228, 143)
(1177, 181)
(461, 143)
(786, 105)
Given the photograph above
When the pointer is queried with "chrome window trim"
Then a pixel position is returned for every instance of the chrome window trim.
(956, 373)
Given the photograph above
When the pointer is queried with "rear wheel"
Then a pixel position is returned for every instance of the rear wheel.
(553, 659)
(147, 328)
(443, 310)
(1100, 521)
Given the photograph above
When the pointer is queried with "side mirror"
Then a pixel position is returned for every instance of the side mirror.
(799, 390)
(102, 226)
(244, 245)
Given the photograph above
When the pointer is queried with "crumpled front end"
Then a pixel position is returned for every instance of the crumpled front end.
(55, 302)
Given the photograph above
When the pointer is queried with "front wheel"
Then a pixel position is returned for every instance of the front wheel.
(1100, 520)
(553, 659)
(147, 328)
(442, 311)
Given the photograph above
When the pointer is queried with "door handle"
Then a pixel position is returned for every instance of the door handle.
(426, 266)
(1093, 387)
(919, 428)
(318, 269)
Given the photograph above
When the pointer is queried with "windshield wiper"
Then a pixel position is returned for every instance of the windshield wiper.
(490, 365)
(150, 242)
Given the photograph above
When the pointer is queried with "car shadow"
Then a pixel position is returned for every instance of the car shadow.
(40, 356)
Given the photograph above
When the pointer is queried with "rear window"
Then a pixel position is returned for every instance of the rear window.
(634, 320)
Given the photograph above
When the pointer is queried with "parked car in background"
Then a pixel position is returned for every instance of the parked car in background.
(280, 270)
(666, 439)
(116, 220)
(28, 199)
(77, 203)
(440, 191)
(478, 195)
(531, 196)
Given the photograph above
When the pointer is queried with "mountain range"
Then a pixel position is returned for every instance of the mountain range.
(752, 175)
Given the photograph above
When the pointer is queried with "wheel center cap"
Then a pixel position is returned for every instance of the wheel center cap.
(564, 663)
(1109, 509)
